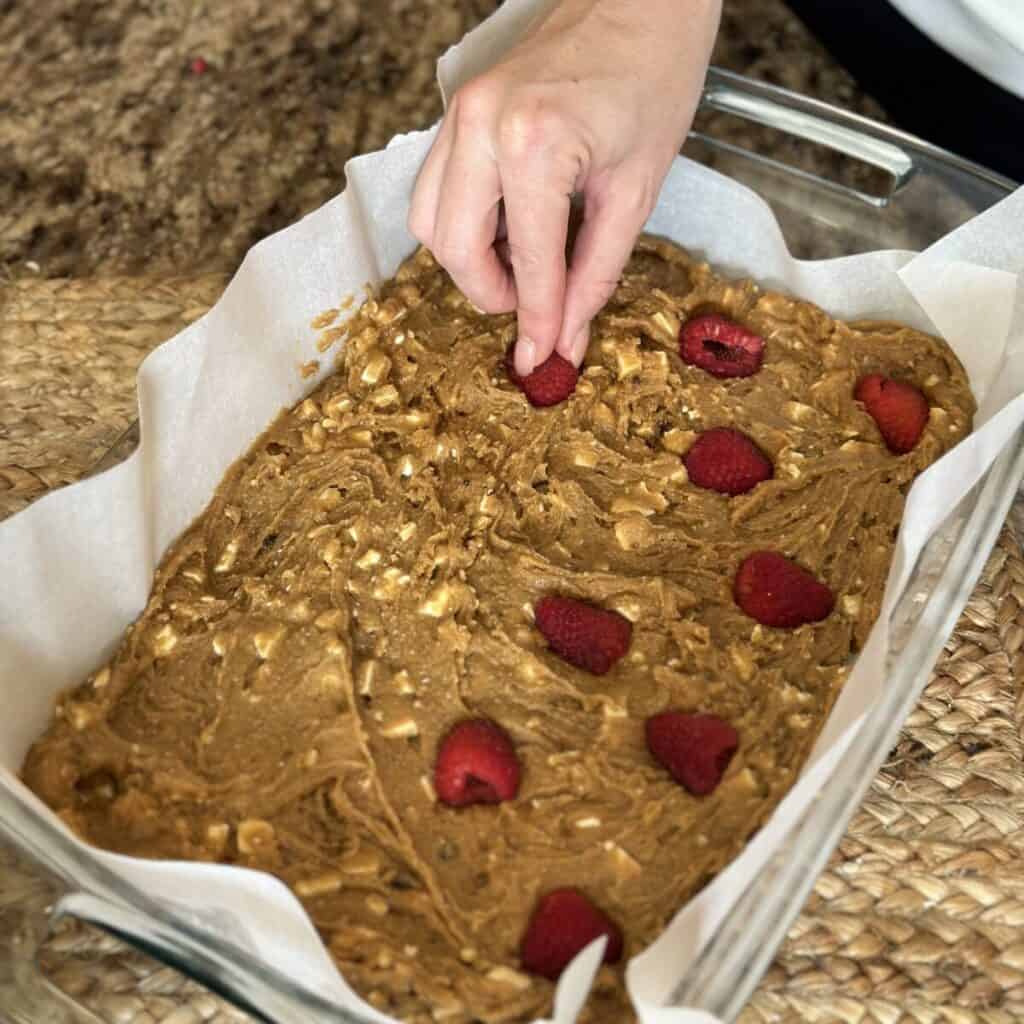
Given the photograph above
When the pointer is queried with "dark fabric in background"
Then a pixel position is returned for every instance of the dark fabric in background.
(925, 90)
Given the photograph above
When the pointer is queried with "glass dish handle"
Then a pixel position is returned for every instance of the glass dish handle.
(246, 989)
(804, 118)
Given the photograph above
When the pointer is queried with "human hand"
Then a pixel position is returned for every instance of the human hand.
(596, 100)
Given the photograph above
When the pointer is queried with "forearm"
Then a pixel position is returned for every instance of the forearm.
(673, 28)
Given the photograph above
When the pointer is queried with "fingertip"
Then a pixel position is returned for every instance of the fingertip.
(578, 348)
(490, 289)
(524, 356)
(573, 344)
(417, 225)
(541, 348)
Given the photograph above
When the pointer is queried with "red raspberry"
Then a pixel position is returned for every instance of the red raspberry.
(550, 383)
(563, 923)
(476, 764)
(778, 592)
(588, 637)
(696, 749)
(721, 347)
(899, 409)
(727, 461)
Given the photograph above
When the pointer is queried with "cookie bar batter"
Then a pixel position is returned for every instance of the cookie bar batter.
(365, 577)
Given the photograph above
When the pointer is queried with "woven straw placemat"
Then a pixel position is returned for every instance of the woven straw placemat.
(919, 916)
(69, 350)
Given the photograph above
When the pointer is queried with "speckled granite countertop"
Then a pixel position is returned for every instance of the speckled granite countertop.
(116, 156)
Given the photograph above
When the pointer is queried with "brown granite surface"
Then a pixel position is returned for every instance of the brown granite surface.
(117, 157)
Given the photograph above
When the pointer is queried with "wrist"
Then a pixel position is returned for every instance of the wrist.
(662, 18)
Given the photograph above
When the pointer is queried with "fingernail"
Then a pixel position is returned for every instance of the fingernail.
(579, 346)
(524, 357)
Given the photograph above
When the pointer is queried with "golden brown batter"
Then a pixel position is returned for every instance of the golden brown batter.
(364, 578)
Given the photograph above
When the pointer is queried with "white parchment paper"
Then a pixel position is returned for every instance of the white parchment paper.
(77, 565)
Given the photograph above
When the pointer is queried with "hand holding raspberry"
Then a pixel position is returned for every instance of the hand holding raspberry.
(596, 99)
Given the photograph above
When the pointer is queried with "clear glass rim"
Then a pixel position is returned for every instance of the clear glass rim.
(818, 121)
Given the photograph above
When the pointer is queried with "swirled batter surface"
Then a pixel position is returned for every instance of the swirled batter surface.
(364, 578)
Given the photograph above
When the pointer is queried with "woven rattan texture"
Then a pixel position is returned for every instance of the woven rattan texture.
(68, 355)
(919, 915)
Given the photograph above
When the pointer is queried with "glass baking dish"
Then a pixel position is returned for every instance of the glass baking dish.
(883, 190)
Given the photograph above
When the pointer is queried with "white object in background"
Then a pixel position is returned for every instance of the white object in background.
(1004, 17)
(986, 35)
